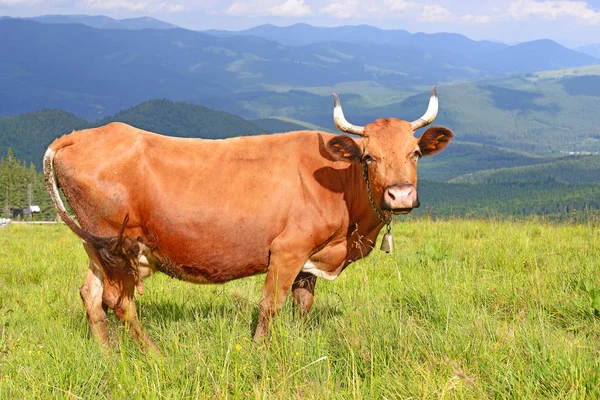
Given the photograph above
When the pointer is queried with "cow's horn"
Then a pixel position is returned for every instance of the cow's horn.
(340, 120)
(430, 114)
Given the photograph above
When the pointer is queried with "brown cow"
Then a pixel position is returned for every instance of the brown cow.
(295, 206)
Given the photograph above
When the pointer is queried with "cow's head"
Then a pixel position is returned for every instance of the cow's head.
(391, 151)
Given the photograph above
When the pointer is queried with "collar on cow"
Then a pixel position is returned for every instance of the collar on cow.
(381, 217)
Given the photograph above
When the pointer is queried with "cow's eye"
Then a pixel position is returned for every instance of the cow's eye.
(368, 158)
(416, 155)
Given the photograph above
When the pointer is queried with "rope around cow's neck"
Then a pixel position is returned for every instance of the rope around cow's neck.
(387, 222)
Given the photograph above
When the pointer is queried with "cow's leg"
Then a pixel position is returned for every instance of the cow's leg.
(119, 296)
(91, 294)
(303, 291)
(285, 264)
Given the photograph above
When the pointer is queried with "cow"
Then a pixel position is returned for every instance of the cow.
(297, 206)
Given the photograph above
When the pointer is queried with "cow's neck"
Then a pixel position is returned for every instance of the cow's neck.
(364, 224)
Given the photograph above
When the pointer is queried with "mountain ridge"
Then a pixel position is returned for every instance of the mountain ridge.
(96, 72)
(100, 21)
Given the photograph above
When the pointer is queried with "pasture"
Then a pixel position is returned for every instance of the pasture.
(462, 309)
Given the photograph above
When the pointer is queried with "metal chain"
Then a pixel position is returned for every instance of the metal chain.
(381, 217)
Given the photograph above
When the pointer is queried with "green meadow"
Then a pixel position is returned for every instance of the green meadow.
(462, 309)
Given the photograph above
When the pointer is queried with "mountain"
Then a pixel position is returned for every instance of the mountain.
(538, 55)
(29, 135)
(590, 49)
(104, 22)
(304, 34)
(96, 72)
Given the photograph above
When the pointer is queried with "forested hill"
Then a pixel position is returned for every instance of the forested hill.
(180, 119)
(29, 135)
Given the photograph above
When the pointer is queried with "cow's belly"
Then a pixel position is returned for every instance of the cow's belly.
(207, 256)
(202, 270)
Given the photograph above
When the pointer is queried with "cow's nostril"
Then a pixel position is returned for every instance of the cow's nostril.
(391, 195)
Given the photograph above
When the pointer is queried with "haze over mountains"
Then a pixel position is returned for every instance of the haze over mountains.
(489, 92)
(96, 72)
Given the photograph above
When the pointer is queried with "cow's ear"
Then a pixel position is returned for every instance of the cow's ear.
(434, 140)
(343, 148)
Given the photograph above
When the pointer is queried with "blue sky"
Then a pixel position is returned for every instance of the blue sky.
(569, 22)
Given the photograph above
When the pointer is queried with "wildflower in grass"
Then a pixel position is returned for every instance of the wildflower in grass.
(238, 347)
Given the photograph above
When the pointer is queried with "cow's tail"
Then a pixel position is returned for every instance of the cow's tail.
(52, 187)
(117, 254)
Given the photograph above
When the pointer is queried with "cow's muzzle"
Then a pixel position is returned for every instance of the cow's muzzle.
(400, 198)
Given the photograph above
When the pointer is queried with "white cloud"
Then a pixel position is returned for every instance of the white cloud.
(522, 9)
(239, 8)
(291, 8)
(131, 5)
(477, 19)
(357, 9)
(160, 7)
(435, 13)
(343, 9)
(116, 4)
(400, 5)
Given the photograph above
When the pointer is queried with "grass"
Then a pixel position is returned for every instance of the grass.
(462, 309)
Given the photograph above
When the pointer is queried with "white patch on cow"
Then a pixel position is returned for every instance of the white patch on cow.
(145, 269)
(312, 268)
(96, 284)
(51, 177)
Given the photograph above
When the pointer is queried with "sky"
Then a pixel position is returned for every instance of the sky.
(569, 22)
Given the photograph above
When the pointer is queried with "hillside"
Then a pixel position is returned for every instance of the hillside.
(551, 117)
(543, 116)
(29, 135)
(573, 170)
(461, 158)
(549, 199)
